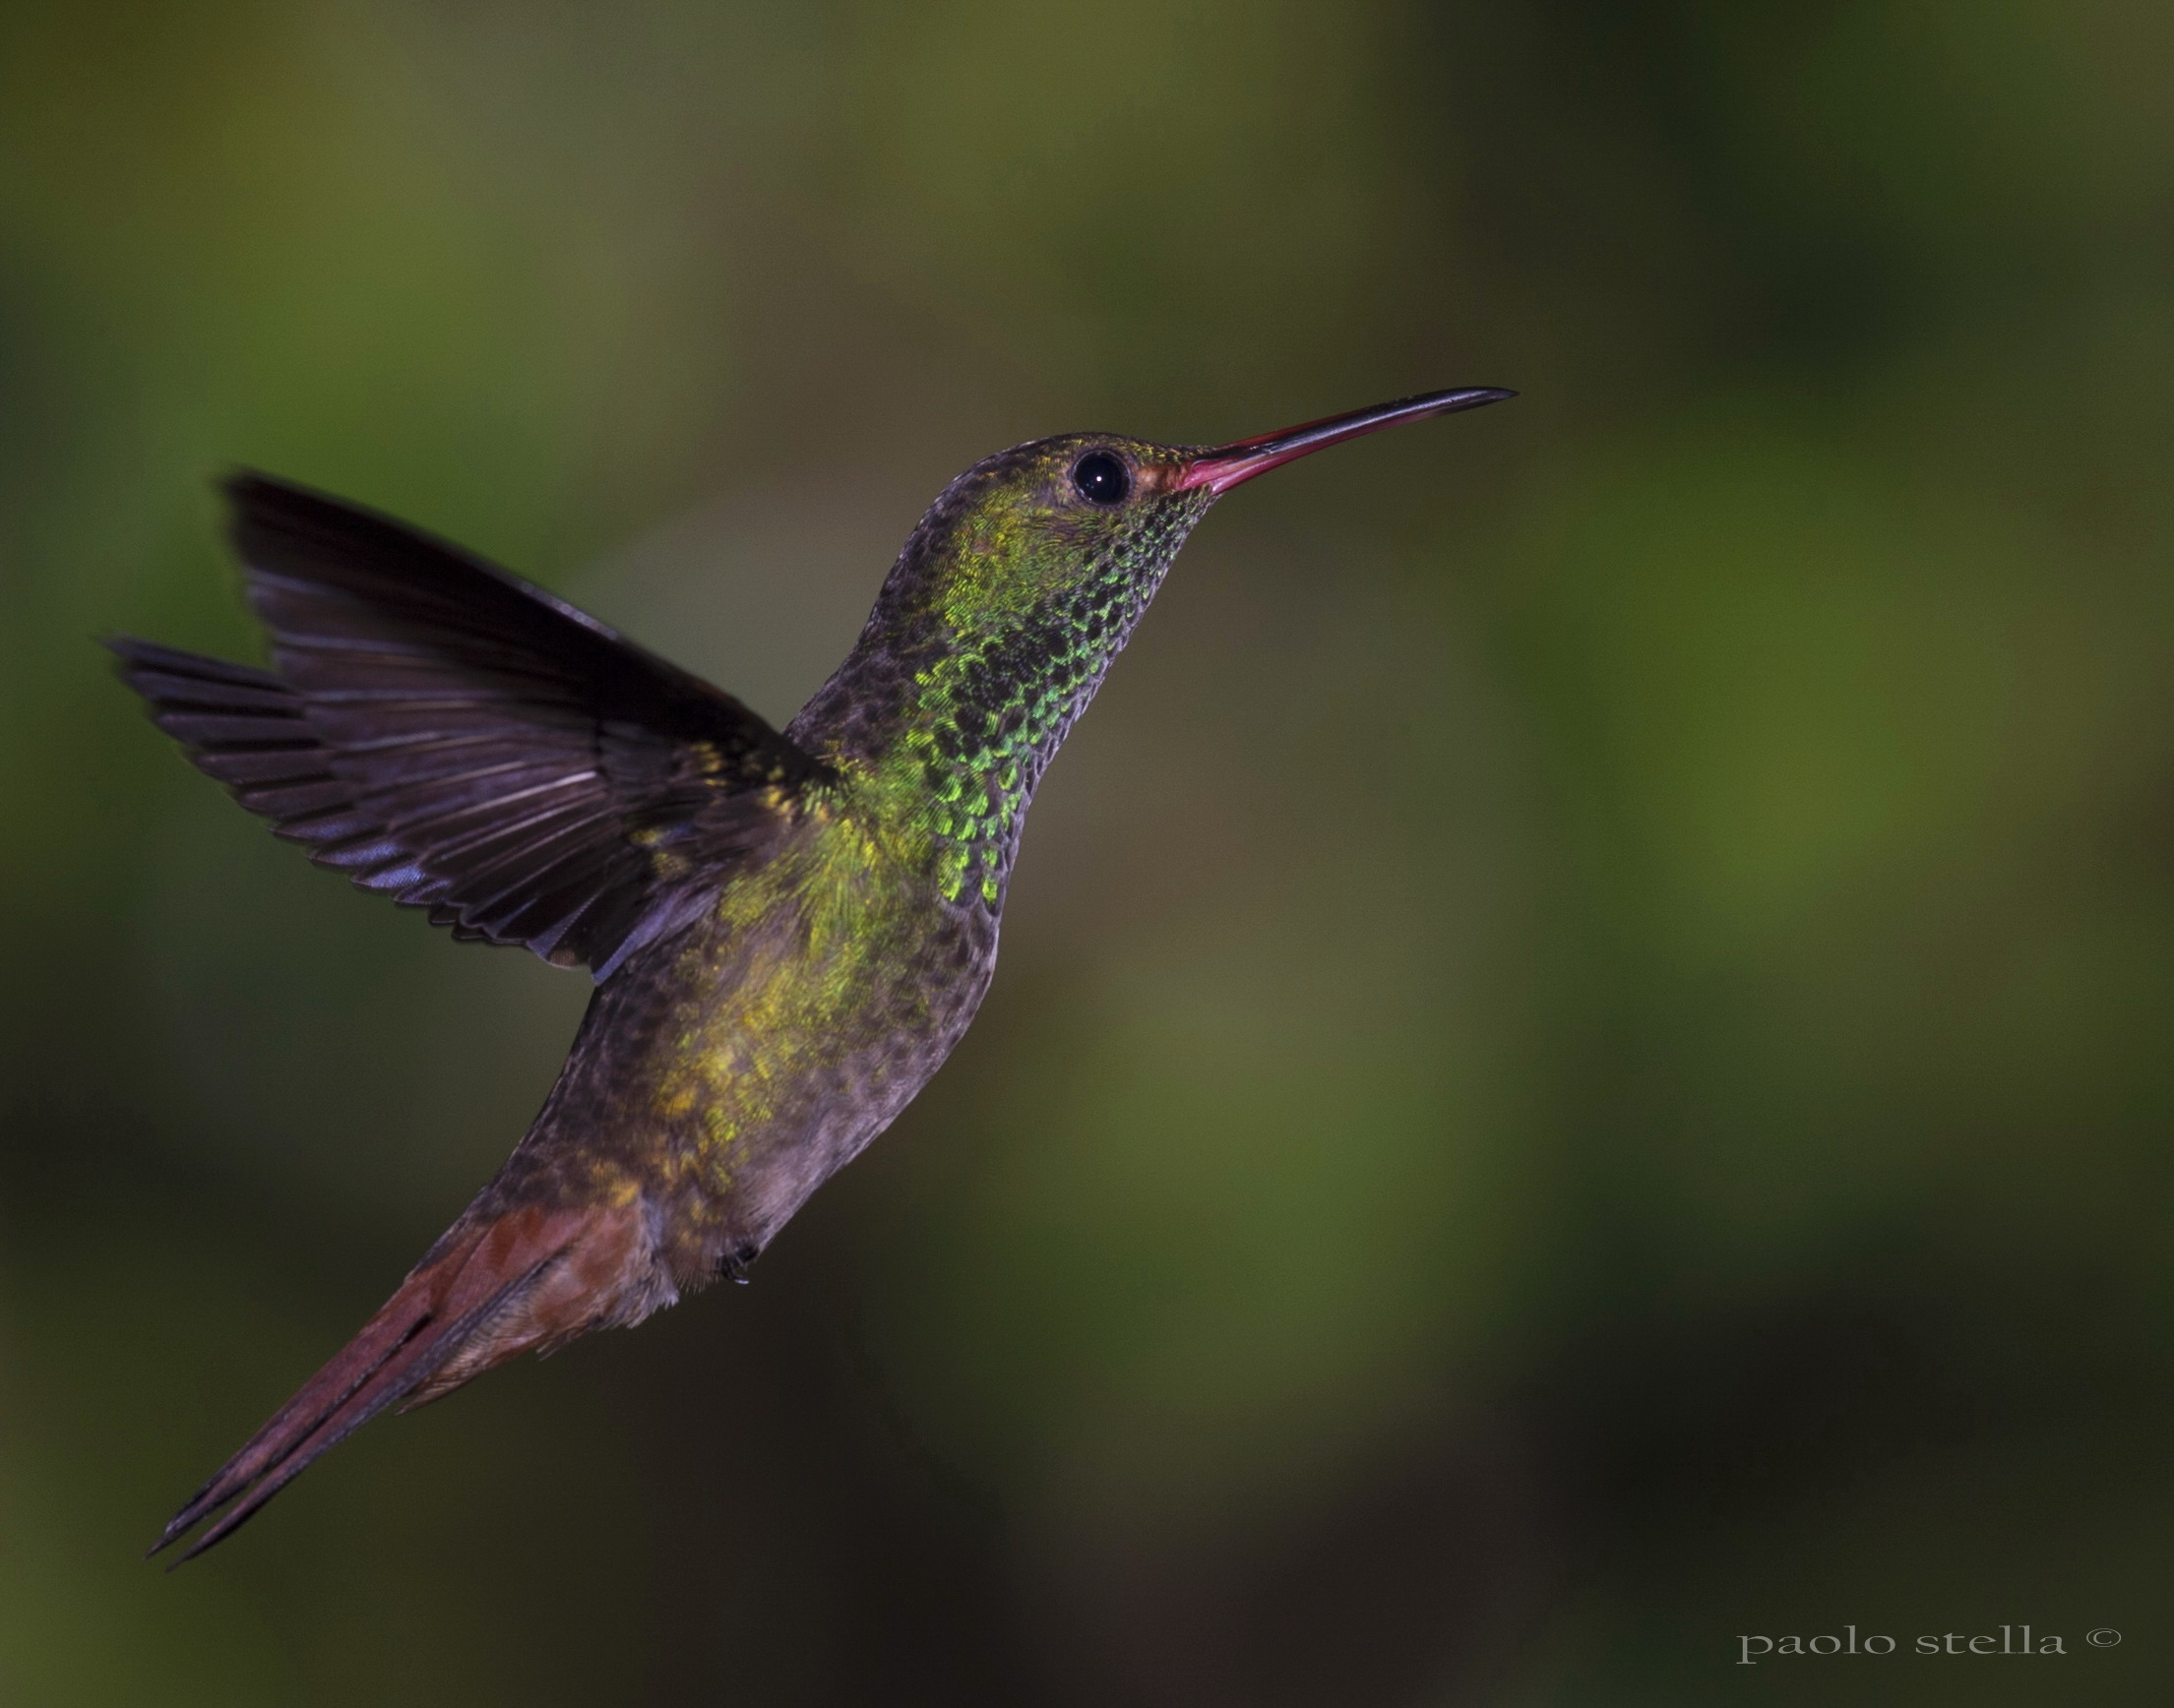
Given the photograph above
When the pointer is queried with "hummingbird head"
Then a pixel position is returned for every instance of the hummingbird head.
(1062, 538)
(1058, 544)
(1019, 585)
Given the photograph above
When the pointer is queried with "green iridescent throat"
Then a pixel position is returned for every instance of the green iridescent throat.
(991, 635)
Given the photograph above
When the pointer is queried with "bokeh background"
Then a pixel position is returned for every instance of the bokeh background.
(1582, 1065)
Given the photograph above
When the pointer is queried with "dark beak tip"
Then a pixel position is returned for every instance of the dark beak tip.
(1472, 397)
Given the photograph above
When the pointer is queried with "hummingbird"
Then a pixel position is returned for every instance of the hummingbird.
(788, 930)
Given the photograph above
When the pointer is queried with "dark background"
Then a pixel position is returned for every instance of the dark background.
(1580, 1067)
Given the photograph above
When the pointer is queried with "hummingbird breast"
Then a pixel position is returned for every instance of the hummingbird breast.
(724, 1076)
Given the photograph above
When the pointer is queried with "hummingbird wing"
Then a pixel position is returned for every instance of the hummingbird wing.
(451, 736)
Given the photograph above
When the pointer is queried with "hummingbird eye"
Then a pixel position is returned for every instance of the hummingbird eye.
(1102, 478)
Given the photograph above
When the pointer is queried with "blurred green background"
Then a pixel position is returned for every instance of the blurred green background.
(1581, 1061)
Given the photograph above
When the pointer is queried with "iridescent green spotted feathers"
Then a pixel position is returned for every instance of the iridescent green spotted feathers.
(989, 639)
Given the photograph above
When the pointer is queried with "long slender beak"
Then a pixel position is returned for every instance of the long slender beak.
(1229, 465)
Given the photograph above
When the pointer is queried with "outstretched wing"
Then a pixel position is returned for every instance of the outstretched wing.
(462, 741)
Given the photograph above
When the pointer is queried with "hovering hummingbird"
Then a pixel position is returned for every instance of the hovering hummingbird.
(788, 930)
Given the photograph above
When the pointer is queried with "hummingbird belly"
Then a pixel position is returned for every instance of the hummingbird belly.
(724, 1076)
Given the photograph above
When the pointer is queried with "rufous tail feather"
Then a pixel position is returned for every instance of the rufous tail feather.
(530, 1279)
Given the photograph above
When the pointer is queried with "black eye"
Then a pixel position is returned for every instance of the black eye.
(1102, 479)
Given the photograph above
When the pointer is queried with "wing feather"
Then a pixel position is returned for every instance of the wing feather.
(448, 734)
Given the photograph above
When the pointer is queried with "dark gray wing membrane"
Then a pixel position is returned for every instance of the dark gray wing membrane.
(464, 742)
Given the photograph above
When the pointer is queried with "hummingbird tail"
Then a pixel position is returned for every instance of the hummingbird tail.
(530, 1279)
